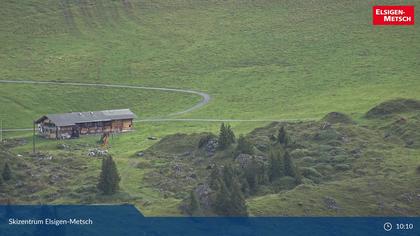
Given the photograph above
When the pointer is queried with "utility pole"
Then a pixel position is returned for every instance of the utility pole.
(33, 140)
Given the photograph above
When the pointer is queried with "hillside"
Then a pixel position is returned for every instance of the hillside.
(262, 61)
(345, 168)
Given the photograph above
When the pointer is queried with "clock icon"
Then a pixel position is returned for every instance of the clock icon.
(387, 226)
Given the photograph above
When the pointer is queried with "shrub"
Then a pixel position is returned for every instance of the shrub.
(244, 146)
(205, 139)
(342, 167)
(309, 172)
(7, 173)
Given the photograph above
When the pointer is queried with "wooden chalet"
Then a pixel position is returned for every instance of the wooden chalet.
(74, 124)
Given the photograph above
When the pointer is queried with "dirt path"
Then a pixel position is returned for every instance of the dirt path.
(205, 99)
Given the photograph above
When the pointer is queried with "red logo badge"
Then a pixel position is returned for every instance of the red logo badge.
(393, 15)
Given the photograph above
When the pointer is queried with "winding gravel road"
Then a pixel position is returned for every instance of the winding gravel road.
(205, 99)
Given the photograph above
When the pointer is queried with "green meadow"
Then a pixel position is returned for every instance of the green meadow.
(265, 59)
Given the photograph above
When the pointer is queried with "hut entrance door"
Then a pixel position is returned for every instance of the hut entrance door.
(75, 132)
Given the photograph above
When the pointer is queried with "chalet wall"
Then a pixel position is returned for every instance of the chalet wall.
(50, 131)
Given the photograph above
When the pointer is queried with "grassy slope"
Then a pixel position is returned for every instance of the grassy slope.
(265, 59)
(26, 102)
(259, 60)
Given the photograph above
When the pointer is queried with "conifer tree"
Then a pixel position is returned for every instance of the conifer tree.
(298, 177)
(289, 167)
(109, 178)
(244, 146)
(251, 175)
(195, 207)
(214, 178)
(221, 201)
(282, 137)
(245, 186)
(226, 136)
(276, 165)
(228, 174)
(237, 206)
(223, 137)
(230, 135)
(7, 173)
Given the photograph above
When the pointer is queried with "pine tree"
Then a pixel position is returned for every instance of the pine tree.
(214, 178)
(289, 166)
(251, 175)
(228, 174)
(223, 137)
(237, 206)
(245, 186)
(109, 178)
(282, 137)
(7, 173)
(230, 135)
(226, 136)
(244, 146)
(276, 165)
(221, 201)
(195, 207)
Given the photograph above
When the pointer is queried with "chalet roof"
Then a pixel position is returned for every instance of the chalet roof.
(72, 118)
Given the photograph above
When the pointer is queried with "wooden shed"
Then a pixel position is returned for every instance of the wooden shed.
(74, 124)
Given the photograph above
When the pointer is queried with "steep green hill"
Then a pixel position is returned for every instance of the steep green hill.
(259, 59)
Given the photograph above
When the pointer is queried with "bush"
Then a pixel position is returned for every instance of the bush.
(205, 139)
(298, 153)
(244, 146)
(342, 167)
(323, 168)
(309, 172)
(308, 159)
(284, 183)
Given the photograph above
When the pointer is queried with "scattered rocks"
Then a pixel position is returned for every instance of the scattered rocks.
(97, 152)
(356, 153)
(193, 176)
(177, 169)
(41, 156)
(331, 203)
(243, 160)
(186, 154)
(203, 192)
(211, 147)
(325, 125)
(262, 147)
(409, 197)
(63, 146)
